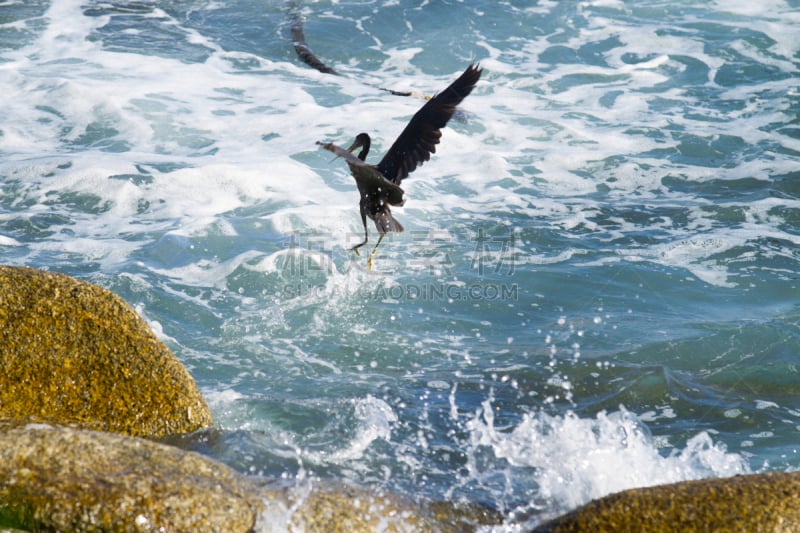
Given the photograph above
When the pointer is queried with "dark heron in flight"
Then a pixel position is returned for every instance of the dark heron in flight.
(379, 184)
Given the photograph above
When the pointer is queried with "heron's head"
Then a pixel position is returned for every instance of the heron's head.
(362, 141)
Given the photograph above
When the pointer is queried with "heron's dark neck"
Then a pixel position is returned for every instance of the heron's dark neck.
(365, 143)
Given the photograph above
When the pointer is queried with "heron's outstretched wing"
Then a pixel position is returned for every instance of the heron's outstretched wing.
(419, 139)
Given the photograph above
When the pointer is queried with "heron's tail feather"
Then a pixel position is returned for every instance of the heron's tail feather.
(386, 223)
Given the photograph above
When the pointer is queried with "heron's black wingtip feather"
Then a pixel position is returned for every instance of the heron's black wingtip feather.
(418, 140)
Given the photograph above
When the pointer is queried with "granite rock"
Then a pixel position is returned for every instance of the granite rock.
(74, 353)
(758, 502)
(55, 478)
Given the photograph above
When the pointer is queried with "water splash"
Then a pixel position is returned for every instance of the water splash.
(566, 461)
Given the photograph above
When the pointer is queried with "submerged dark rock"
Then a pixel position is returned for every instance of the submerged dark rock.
(74, 353)
(757, 502)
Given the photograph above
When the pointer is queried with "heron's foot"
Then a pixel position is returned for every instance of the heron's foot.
(357, 246)
(369, 263)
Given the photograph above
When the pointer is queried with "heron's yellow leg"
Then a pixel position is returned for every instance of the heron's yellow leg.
(372, 253)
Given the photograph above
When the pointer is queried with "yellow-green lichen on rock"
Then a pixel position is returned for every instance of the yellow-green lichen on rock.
(338, 508)
(749, 503)
(54, 478)
(75, 353)
(64, 479)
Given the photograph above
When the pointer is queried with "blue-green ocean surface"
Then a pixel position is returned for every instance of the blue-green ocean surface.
(598, 287)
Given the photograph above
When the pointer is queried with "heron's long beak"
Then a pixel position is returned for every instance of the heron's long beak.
(352, 149)
(325, 145)
(353, 146)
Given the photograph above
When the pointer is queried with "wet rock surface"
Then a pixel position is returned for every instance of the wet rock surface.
(74, 353)
(65, 479)
(54, 478)
(751, 503)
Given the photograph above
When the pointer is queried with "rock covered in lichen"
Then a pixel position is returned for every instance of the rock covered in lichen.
(74, 353)
(64, 479)
(54, 478)
(339, 508)
(758, 502)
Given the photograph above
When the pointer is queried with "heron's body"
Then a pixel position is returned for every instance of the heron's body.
(377, 192)
(379, 185)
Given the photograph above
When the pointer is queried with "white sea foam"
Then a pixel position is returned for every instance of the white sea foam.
(218, 122)
(8, 241)
(574, 460)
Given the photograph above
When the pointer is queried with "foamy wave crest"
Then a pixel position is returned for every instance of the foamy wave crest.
(375, 420)
(573, 460)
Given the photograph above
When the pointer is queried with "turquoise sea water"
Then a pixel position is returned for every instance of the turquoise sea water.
(597, 287)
